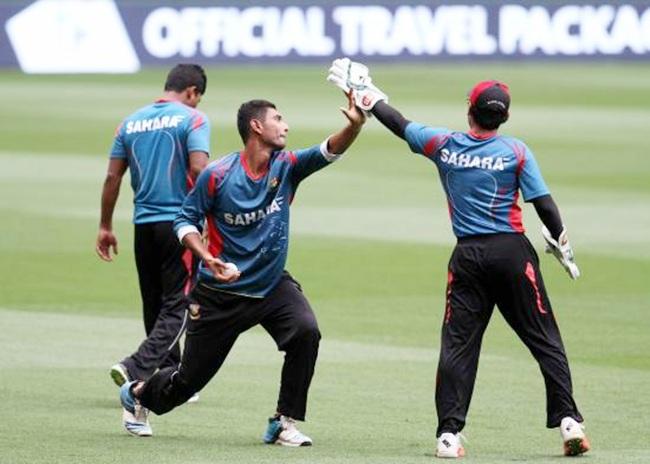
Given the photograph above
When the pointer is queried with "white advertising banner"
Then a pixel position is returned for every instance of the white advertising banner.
(111, 36)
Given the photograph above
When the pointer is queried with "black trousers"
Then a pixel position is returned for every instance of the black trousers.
(165, 269)
(501, 269)
(216, 320)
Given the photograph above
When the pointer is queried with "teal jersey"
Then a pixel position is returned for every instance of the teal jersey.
(247, 216)
(482, 177)
(156, 141)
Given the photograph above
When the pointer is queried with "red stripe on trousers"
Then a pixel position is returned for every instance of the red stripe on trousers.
(450, 279)
(532, 278)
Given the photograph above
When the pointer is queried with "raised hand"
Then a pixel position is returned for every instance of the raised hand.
(349, 75)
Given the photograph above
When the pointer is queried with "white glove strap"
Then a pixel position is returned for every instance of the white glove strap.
(331, 157)
(183, 231)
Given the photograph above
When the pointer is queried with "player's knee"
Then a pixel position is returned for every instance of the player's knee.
(307, 332)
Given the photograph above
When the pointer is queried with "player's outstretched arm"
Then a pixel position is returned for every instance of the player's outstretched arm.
(340, 141)
(391, 118)
(106, 239)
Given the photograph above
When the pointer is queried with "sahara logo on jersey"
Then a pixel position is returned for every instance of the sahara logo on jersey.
(467, 161)
(146, 125)
(245, 219)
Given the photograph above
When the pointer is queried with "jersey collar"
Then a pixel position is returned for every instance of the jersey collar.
(244, 163)
(485, 136)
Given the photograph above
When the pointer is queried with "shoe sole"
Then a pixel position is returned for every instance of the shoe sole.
(461, 453)
(138, 434)
(292, 445)
(118, 376)
(576, 446)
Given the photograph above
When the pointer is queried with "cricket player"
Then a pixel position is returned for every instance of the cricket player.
(165, 145)
(493, 262)
(245, 198)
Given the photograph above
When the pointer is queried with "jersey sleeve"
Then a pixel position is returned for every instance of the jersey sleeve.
(118, 150)
(425, 140)
(197, 202)
(309, 160)
(531, 182)
(198, 136)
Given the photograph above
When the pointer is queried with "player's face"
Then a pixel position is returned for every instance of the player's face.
(274, 129)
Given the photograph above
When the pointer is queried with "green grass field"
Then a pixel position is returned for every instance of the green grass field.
(370, 245)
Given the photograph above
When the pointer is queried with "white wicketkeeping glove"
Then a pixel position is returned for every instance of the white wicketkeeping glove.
(561, 249)
(346, 75)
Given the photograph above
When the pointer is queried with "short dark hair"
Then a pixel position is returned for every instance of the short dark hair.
(253, 109)
(487, 119)
(183, 76)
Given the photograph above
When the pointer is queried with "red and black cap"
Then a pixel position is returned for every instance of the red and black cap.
(493, 96)
(489, 102)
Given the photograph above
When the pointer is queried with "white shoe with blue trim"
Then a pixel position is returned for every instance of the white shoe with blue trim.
(134, 415)
(282, 431)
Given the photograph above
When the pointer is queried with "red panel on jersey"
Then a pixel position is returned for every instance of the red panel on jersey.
(212, 183)
(515, 215)
(215, 240)
(187, 264)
